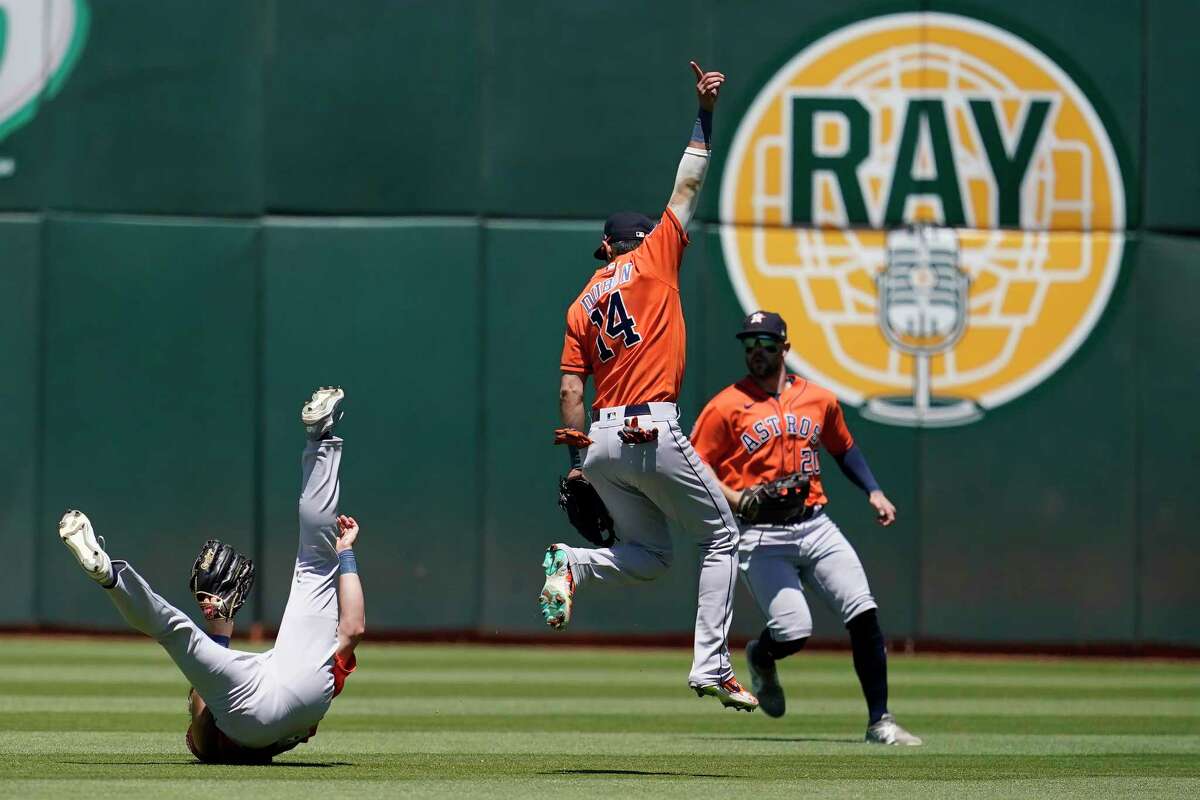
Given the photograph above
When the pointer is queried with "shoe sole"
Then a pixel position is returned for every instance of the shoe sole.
(728, 702)
(913, 741)
(76, 533)
(554, 597)
(894, 744)
(324, 403)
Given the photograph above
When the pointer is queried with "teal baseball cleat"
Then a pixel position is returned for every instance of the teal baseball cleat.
(558, 592)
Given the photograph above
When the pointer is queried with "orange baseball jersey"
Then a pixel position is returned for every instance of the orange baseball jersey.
(626, 328)
(749, 436)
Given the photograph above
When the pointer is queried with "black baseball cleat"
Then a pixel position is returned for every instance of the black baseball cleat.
(764, 680)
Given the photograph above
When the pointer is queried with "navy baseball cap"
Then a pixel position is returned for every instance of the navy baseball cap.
(622, 226)
(764, 323)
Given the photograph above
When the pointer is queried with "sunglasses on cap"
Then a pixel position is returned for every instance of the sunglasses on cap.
(768, 343)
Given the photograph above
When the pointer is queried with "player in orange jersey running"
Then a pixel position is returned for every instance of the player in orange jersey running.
(765, 427)
(626, 330)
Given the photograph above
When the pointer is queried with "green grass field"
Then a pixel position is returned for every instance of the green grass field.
(105, 718)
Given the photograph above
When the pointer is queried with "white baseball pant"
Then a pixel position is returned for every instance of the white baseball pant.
(259, 699)
(644, 484)
(779, 561)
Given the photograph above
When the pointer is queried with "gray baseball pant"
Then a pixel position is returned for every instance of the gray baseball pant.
(779, 561)
(644, 484)
(258, 699)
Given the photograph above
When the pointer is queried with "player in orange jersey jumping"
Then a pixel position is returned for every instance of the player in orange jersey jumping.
(626, 330)
(765, 427)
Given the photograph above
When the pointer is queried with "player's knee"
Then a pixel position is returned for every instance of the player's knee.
(791, 628)
(780, 647)
(865, 623)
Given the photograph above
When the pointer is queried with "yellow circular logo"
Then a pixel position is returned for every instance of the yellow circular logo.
(934, 207)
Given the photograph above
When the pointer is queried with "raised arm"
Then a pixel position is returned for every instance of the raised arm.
(694, 164)
(352, 610)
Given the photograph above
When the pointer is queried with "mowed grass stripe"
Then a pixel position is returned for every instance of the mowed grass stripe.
(799, 694)
(800, 765)
(796, 726)
(160, 671)
(662, 786)
(533, 659)
(506, 721)
(649, 706)
(40, 743)
(667, 786)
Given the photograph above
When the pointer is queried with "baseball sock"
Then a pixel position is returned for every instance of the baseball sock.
(870, 661)
(776, 649)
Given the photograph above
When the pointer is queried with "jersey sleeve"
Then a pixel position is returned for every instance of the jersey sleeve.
(575, 354)
(662, 252)
(710, 435)
(342, 667)
(835, 436)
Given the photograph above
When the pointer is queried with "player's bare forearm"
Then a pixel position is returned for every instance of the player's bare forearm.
(734, 496)
(688, 181)
(570, 401)
(693, 167)
(352, 607)
(352, 612)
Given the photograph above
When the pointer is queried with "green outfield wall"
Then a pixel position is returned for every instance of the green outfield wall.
(205, 211)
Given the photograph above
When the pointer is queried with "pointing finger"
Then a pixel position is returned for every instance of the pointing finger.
(696, 69)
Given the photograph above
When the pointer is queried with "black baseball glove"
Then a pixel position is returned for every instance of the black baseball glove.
(221, 580)
(586, 511)
(775, 503)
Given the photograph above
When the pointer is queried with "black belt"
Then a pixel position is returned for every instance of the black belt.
(635, 410)
(809, 512)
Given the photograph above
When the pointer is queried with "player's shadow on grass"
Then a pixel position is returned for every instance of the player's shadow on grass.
(822, 739)
(178, 763)
(634, 772)
(319, 764)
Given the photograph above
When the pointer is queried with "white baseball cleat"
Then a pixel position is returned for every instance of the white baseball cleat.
(764, 680)
(558, 592)
(75, 530)
(886, 731)
(730, 693)
(322, 412)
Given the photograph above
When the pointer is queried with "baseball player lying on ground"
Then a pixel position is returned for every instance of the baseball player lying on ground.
(761, 437)
(626, 330)
(246, 707)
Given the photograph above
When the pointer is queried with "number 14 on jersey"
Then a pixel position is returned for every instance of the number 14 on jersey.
(617, 325)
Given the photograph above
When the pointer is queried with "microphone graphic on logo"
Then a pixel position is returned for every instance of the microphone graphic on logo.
(922, 312)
